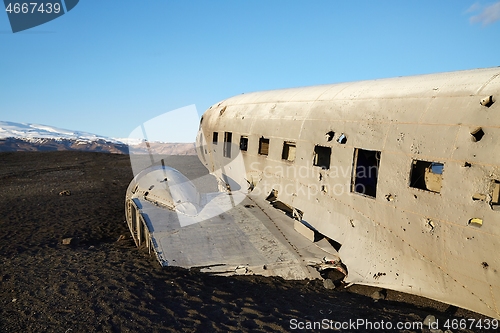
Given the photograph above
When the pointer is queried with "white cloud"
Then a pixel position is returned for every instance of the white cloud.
(488, 14)
(474, 8)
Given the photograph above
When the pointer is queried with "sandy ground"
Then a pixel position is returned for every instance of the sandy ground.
(103, 283)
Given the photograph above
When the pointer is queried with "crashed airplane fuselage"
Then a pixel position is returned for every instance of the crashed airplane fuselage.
(400, 176)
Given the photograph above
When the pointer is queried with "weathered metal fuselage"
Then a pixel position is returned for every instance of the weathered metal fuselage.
(402, 174)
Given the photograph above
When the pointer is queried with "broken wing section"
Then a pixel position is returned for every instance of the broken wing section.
(167, 215)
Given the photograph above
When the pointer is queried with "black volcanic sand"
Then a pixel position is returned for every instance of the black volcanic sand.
(103, 283)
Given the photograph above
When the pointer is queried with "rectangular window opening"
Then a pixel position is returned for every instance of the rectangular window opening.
(263, 146)
(288, 151)
(322, 157)
(244, 143)
(215, 138)
(427, 176)
(365, 172)
(228, 136)
(495, 195)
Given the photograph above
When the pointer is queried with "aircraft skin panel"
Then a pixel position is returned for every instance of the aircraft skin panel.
(406, 269)
(462, 83)
(466, 148)
(386, 91)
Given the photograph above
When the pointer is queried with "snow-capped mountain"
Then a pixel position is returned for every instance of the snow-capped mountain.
(35, 131)
(35, 137)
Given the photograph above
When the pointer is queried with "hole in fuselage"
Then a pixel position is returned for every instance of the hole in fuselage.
(477, 134)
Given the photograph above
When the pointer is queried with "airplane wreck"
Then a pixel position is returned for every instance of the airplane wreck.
(393, 183)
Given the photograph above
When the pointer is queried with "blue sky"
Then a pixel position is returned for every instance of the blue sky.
(107, 66)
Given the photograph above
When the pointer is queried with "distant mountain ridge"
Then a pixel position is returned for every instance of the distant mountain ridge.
(35, 137)
(30, 132)
(47, 144)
